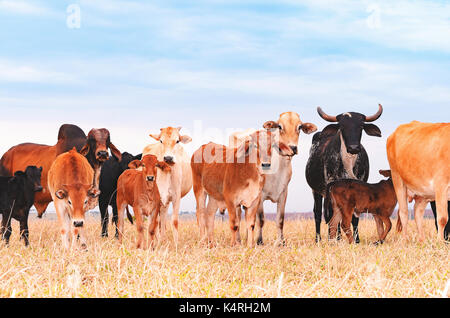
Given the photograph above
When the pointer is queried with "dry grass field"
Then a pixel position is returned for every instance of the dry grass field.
(300, 269)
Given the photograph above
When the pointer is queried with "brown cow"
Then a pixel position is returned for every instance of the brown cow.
(70, 184)
(94, 147)
(138, 188)
(232, 177)
(352, 197)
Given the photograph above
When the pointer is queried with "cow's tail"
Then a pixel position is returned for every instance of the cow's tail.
(129, 216)
(328, 212)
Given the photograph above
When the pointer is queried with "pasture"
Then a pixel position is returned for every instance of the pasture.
(302, 268)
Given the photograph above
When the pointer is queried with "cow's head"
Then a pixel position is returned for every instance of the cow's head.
(126, 159)
(259, 146)
(289, 126)
(77, 197)
(351, 126)
(98, 142)
(32, 176)
(149, 165)
(171, 141)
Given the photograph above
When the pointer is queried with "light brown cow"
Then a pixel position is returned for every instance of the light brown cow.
(70, 185)
(287, 130)
(231, 178)
(139, 189)
(179, 180)
(419, 156)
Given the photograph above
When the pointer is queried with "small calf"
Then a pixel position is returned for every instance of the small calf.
(349, 196)
(138, 188)
(16, 199)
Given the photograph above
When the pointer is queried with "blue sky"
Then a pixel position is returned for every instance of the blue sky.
(136, 66)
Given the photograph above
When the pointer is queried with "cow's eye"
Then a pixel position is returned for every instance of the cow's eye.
(178, 141)
(85, 202)
(70, 202)
(160, 141)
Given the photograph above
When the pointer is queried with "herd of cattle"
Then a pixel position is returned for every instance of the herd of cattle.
(78, 174)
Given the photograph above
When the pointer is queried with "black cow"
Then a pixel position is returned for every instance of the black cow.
(336, 153)
(16, 199)
(110, 173)
(447, 227)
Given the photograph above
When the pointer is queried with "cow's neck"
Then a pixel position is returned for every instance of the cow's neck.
(97, 171)
(348, 159)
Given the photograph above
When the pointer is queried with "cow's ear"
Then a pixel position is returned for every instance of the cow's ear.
(135, 164)
(271, 125)
(156, 137)
(93, 192)
(61, 194)
(385, 173)
(308, 128)
(244, 149)
(330, 130)
(163, 166)
(185, 139)
(115, 152)
(372, 130)
(19, 173)
(85, 150)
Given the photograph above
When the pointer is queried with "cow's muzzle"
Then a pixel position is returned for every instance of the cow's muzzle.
(78, 223)
(38, 188)
(265, 166)
(102, 155)
(150, 178)
(354, 149)
(168, 159)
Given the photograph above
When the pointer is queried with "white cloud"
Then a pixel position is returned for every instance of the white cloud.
(24, 8)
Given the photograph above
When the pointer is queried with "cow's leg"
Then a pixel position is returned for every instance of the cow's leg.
(334, 222)
(200, 198)
(233, 221)
(120, 219)
(152, 227)
(24, 229)
(442, 211)
(419, 210)
(115, 216)
(402, 198)
(6, 227)
(40, 208)
(163, 222)
(64, 223)
(175, 212)
(209, 219)
(250, 220)
(380, 229)
(139, 226)
(281, 206)
(355, 222)
(103, 206)
(260, 222)
(79, 235)
(387, 227)
(346, 221)
(317, 213)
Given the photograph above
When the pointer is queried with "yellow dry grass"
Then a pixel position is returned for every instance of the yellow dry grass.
(300, 269)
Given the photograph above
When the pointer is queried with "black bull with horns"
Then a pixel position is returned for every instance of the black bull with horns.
(336, 153)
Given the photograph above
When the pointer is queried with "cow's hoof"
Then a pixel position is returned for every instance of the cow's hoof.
(379, 242)
(260, 242)
(318, 238)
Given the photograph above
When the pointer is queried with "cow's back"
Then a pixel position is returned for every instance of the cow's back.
(420, 154)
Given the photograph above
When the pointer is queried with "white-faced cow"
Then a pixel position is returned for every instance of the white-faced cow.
(287, 130)
(336, 153)
(179, 181)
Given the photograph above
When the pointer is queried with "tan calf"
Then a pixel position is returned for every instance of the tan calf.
(138, 188)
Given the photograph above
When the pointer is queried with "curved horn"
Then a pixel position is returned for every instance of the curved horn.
(329, 118)
(376, 116)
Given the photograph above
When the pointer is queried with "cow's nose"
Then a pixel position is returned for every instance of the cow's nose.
(78, 223)
(168, 159)
(353, 149)
(265, 165)
(38, 188)
(150, 178)
(102, 154)
(294, 149)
